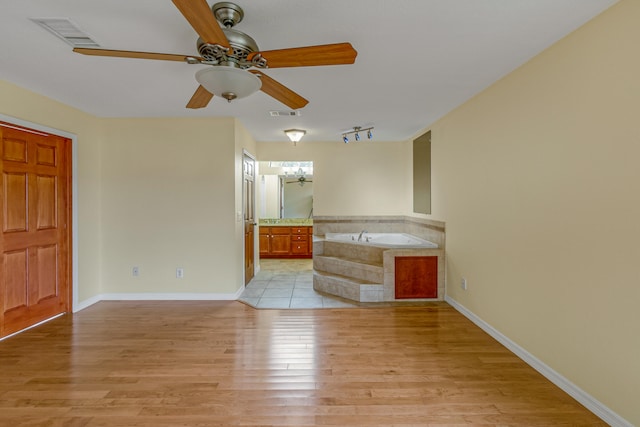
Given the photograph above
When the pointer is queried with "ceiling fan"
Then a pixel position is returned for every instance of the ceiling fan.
(301, 181)
(231, 53)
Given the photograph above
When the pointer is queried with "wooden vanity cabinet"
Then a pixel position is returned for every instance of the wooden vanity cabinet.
(285, 242)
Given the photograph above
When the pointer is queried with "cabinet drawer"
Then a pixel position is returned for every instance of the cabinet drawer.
(299, 248)
(280, 230)
(299, 230)
(299, 238)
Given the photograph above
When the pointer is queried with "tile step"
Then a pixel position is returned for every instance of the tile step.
(349, 267)
(347, 287)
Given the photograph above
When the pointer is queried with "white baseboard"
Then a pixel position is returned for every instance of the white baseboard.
(81, 305)
(594, 405)
(157, 297)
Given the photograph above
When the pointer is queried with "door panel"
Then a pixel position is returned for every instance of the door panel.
(35, 238)
(15, 212)
(47, 285)
(15, 280)
(47, 203)
(14, 149)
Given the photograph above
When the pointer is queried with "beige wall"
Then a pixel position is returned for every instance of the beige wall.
(359, 178)
(538, 181)
(22, 104)
(170, 200)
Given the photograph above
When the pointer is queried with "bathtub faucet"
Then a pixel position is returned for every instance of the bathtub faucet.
(361, 233)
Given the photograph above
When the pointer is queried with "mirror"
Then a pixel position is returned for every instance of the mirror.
(422, 174)
(285, 189)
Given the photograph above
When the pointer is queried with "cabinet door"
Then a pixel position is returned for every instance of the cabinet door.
(264, 241)
(416, 277)
(280, 244)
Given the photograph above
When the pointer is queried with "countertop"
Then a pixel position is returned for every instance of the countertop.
(285, 222)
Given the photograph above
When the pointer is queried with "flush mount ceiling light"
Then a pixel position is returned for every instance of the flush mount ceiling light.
(356, 131)
(295, 135)
(228, 82)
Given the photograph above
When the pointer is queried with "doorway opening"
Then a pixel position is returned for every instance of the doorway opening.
(285, 212)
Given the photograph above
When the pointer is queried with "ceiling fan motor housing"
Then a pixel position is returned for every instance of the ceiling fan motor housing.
(242, 45)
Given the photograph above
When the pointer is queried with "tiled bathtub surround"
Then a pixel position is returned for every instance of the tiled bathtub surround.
(367, 273)
(424, 228)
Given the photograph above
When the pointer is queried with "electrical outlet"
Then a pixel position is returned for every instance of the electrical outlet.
(135, 271)
(463, 284)
(179, 273)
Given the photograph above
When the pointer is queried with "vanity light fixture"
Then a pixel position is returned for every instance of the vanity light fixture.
(356, 131)
(295, 135)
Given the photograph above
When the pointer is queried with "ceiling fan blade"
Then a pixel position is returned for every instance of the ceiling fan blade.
(202, 20)
(133, 54)
(200, 98)
(279, 91)
(309, 56)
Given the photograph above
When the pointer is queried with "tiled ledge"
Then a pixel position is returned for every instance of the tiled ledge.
(427, 229)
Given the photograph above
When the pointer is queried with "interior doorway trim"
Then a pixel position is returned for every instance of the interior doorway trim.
(256, 258)
(74, 195)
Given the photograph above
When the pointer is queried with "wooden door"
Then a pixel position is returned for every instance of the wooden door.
(249, 174)
(35, 238)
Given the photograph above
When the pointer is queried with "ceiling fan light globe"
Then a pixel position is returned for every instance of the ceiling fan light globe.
(228, 82)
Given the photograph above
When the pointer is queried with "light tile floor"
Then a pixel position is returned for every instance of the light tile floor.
(287, 283)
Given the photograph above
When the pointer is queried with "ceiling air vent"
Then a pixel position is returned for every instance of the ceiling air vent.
(274, 113)
(67, 31)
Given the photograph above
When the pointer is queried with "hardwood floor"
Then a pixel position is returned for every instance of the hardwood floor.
(157, 364)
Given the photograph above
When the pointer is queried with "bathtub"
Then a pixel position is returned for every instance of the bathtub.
(385, 240)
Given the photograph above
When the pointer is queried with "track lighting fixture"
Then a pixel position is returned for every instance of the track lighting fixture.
(356, 133)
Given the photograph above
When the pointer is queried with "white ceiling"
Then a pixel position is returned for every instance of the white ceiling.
(417, 59)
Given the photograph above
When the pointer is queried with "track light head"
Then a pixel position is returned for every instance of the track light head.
(356, 133)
